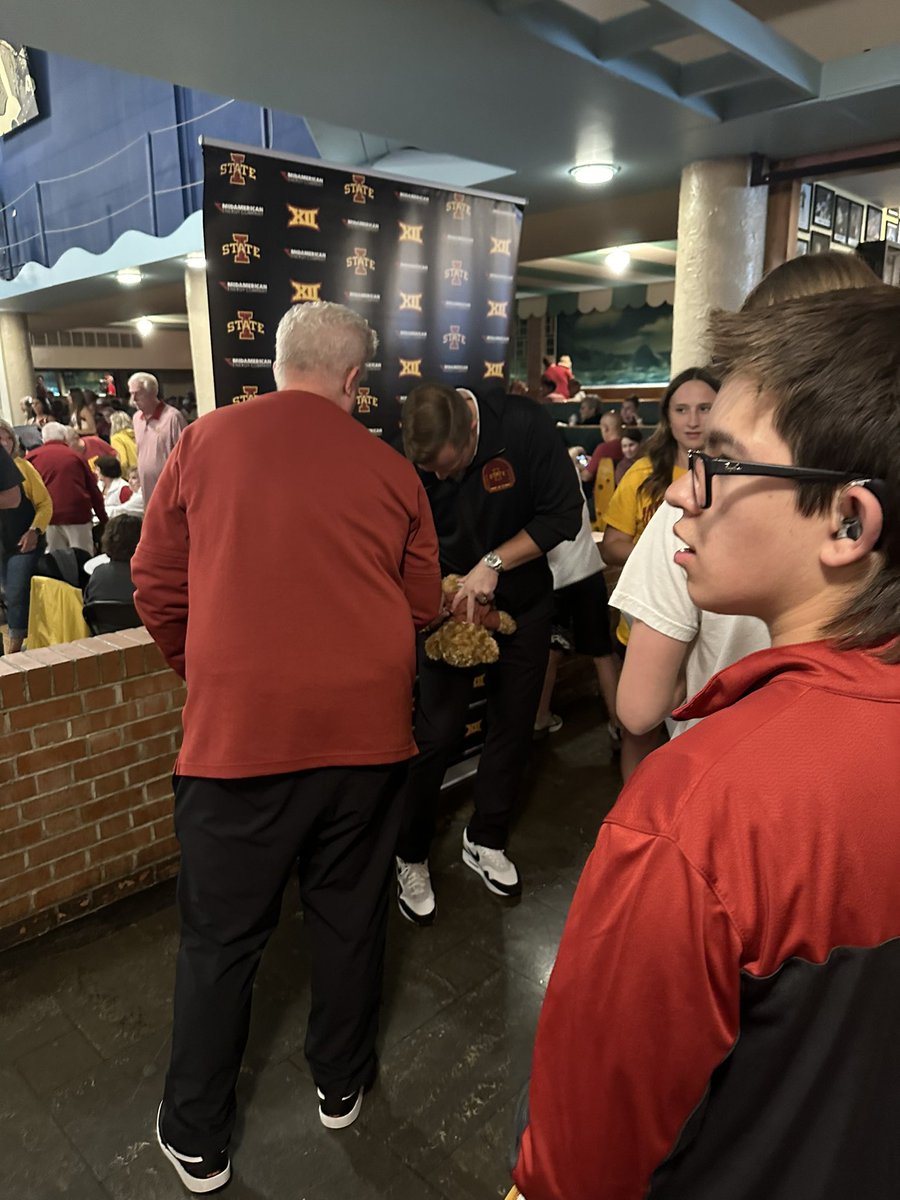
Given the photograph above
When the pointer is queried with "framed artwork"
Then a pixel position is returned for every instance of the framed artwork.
(17, 100)
(819, 243)
(854, 228)
(873, 223)
(823, 206)
(805, 206)
(891, 230)
(893, 214)
(841, 219)
(802, 247)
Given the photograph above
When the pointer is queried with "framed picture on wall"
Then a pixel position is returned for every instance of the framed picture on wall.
(854, 228)
(893, 214)
(891, 230)
(823, 206)
(802, 247)
(819, 243)
(873, 223)
(805, 206)
(841, 219)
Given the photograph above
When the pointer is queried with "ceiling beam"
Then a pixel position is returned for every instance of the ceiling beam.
(717, 74)
(751, 38)
(504, 7)
(868, 72)
(636, 31)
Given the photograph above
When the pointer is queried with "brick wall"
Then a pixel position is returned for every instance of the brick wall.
(88, 737)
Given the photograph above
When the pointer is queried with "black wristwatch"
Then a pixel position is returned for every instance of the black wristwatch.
(493, 560)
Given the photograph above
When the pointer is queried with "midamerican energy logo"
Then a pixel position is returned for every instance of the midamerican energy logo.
(493, 370)
(240, 248)
(411, 301)
(304, 292)
(456, 273)
(360, 262)
(359, 190)
(454, 338)
(497, 308)
(245, 325)
(248, 391)
(302, 218)
(410, 233)
(458, 207)
(501, 245)
(365, 401)
(237, 169)
(410, 366)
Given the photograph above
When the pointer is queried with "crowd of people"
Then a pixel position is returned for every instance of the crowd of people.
(98, 462)
(720, 1019)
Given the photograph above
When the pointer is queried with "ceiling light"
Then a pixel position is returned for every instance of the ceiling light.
(144, 326)
(129, 276)
(196, 259)
(617, 261)
(591, 173)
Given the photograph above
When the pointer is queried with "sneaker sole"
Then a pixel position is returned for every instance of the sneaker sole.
(414, 917)
(499, 889)
(191, 1182)
(347, 1119)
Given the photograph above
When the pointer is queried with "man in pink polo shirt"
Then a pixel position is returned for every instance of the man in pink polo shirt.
(157, 427)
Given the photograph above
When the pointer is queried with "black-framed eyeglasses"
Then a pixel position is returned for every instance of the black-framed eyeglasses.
(703, 467)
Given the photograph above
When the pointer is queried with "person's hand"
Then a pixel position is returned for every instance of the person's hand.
(476, 591)
(28, 541)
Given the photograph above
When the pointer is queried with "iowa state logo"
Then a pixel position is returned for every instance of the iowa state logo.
(501, 245)
(360, 261)
(411, 301)
(237, 169)
(498, 475)
(410, 233)
(302, 218)
(365, 401)
(245, 326)
(497, 308)
(303, 293)
(454, 338)
(358, 190)
(493, 370)
(248, 391)
(456, 273)
(410, 366)
(240, 248)
(458, 207)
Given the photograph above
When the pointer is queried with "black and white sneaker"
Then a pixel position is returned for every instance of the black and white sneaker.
(199, 1173)
(415, 897)
(337, 1111)
(498, 874)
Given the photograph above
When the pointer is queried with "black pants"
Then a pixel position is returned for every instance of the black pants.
(513, 691)
(240, 840)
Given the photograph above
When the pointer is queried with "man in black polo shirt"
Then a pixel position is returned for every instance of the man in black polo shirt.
(503, 493)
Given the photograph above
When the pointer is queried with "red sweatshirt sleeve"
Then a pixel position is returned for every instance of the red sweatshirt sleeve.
(159, 568)
(642, 1005)
(421, 569)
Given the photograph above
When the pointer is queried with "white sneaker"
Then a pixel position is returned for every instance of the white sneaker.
(414, 894)
(496, 870)
(553, 724)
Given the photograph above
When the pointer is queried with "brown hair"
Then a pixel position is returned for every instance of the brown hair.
(830, 365)
(120, 537)
(662, 449)
(434, 416)
(811, 273)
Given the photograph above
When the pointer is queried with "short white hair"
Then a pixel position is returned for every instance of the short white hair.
(145, 381)
(322, 338)
(54, 432)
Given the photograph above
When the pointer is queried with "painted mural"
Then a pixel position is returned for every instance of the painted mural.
(630, 346)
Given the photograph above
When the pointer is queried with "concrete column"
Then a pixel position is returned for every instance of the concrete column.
(16, 365)
(721, 240)
(201, 338)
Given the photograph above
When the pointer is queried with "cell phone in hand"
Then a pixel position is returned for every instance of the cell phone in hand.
(582, 460)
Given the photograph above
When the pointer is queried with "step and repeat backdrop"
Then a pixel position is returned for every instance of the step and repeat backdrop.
(432, 270)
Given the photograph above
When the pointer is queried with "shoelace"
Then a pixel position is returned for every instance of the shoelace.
(413, 876)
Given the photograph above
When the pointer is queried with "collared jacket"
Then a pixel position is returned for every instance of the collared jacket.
(520, 478)
(722, 1020)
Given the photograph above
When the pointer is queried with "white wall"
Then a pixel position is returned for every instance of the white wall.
(163, 350)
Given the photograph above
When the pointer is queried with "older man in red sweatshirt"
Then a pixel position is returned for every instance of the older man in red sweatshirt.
(292, 616)
(721, 1022)
(73, 490)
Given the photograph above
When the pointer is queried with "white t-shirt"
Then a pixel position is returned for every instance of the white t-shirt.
(573, 561)
(653, 588)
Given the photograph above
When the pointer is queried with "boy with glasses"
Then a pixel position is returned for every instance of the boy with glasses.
(721, 1020)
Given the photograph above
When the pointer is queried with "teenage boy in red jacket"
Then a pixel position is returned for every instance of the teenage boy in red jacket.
(721, 1022)
(287, 591)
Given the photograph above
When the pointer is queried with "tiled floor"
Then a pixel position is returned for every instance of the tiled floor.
(84, 1028)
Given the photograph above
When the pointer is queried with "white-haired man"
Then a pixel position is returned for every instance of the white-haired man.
(73, 489)
(157, 427)
(297, 640)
